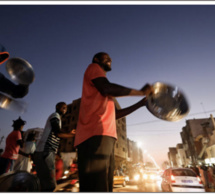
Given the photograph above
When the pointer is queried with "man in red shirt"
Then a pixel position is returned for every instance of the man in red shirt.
(13, 143)
(96, 128)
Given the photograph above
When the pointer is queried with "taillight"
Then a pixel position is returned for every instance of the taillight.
(200, 181)
(172, 179)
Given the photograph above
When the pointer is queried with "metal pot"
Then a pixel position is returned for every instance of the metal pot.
(20, 71)
(167, 102)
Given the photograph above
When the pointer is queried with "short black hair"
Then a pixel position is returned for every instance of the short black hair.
(59, 105)
(18, 123)
(98, 55)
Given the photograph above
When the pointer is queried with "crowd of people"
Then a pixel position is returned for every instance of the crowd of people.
(95, 134)
(20, 153)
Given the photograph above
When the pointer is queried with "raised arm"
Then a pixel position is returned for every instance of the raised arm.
(126, 111)
(110, 89)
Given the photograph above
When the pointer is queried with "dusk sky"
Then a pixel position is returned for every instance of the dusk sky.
(147, 43)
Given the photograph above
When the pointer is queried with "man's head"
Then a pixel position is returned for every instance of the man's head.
(61, 108)
(104, 60)
(18, 124)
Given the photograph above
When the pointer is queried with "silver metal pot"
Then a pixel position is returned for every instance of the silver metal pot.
(20, 71)
(167, 102)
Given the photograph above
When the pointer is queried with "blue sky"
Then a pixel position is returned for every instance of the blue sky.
(147, 43)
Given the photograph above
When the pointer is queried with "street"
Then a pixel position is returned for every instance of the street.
(149, 187)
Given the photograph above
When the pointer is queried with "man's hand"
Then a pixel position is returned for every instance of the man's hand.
(67, 135)
(73, 132)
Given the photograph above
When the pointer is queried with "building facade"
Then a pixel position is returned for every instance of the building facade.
(198, 143)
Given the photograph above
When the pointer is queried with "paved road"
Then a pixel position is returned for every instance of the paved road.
(148, 187)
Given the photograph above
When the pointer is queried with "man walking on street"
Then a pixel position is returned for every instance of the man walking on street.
(96, 129)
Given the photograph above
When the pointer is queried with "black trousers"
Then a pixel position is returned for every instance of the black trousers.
(96, 164)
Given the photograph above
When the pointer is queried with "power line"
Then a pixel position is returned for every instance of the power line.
(153, 121)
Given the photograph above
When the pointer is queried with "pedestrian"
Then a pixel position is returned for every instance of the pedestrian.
(195, 169)
(47, 147)
(210, 177)
(14, 142)
(96, 128)
(24, 162)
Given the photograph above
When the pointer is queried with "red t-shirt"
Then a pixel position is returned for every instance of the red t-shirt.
(97, 112)
(12, 148)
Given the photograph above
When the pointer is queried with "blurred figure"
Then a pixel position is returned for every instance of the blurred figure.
(14, 142)
(74, 167)
(59, 168)
(195, 169)
(47, 147)
(6, 86)
(211, 178)
(204, 175)
(4, 55)
(24, 161)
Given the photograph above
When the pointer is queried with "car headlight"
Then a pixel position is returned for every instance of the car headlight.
(152, 177)
(137, 177)
(126, 178)
(64, 177)
(66, 172)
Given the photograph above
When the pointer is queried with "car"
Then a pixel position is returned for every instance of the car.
(119, 178)
(150, 176)
(135, 178)
(181, 180)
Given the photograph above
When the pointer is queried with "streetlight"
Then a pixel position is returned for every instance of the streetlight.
(139, 144)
